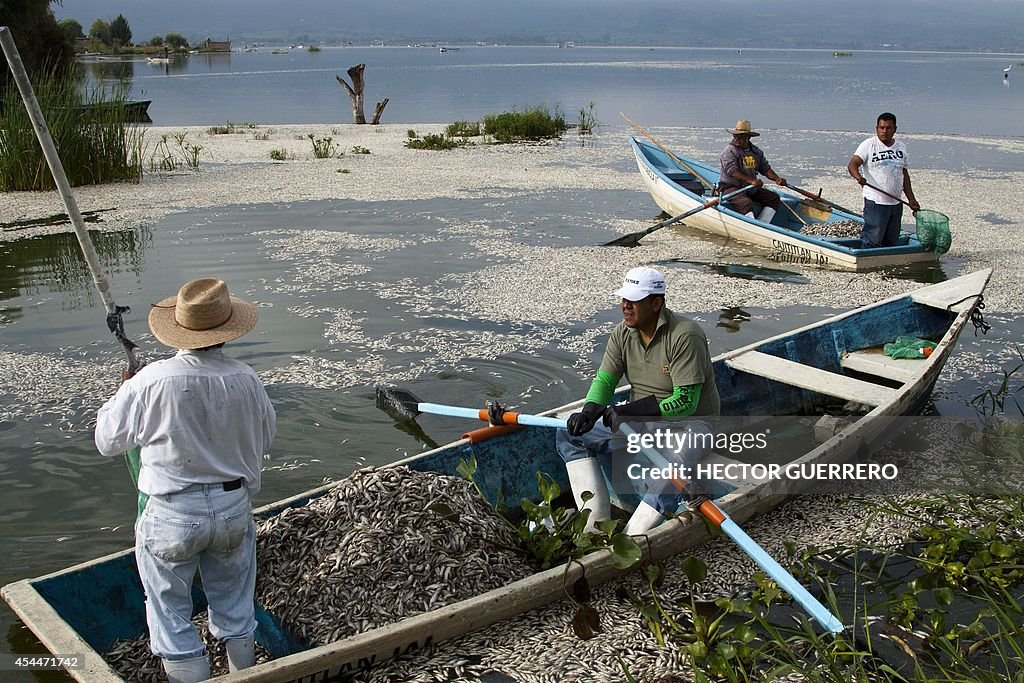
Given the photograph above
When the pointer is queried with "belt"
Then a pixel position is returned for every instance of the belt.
(232, 485)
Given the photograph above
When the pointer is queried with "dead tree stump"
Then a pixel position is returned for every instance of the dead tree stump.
(355, 93)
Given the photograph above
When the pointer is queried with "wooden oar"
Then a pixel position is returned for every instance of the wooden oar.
(406, 404)
(633, 238)
(819, 198)
(115, 322)
(682, 164)
(891, 196)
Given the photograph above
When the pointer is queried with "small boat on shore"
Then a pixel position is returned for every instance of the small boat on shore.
(806, 372)
(135, 111)
(788, 237)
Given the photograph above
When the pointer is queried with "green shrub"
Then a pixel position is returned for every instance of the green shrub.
(323, 148)
(229, 128)
(534, 123)
(92, 133)
(463, 129)
(586, 121)
(359, 149)
(434, 142)
(280, 155)
(411, 134)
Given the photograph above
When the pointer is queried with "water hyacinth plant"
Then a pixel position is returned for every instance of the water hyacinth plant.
(91, 130)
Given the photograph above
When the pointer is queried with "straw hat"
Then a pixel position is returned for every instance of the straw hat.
(202, 314)
(743, 128)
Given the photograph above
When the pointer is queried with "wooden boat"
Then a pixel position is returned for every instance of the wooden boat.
(135, 111)
(85, 608)
(676, 190)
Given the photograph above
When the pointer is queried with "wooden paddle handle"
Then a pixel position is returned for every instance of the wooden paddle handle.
(891, 196)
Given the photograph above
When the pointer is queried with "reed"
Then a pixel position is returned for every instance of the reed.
(90, 129)
(532, 123)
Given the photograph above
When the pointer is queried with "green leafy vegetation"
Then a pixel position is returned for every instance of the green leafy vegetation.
(533, 123)
(434, 142)
(462, 129)
(230, 128)
(323, 148)
(281, 154)
(586, 122)
(359, 149)
(94, 137)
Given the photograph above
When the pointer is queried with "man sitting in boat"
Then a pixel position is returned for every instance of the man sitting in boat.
(741, 162)
(665, 358)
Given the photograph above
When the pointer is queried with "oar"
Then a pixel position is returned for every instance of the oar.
(776, 571)
(407, 405)
(115, 323)
(633, 238)
(819, 198)
(682, 164)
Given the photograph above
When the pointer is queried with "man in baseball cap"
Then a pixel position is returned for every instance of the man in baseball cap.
(665, 358)
(203, 422)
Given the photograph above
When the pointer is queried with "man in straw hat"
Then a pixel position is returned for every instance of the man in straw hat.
(666, 360)
(741, 162)
(203, 422)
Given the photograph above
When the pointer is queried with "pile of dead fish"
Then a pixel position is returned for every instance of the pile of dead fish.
(380, 546)
(845, 228)
(133, 661)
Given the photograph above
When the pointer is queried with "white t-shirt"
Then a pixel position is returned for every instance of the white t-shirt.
(883, 167)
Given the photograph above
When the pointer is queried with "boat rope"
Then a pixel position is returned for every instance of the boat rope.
(977, 317)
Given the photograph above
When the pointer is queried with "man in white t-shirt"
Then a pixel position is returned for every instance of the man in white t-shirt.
(882, 161)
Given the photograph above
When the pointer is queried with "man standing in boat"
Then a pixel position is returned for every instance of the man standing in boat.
(665, 358)
(741, 162)
(881, 160)
(204, 422)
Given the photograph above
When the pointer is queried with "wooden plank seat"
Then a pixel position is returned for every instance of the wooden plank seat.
(809, 377)
(874, 362)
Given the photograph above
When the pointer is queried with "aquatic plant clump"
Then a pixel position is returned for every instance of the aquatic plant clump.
(533, 123)
(94, 137)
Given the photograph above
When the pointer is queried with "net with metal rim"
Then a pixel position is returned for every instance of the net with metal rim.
(933, 230)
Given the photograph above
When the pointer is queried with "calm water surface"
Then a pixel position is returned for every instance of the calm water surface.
(931, 92)
(380, 302)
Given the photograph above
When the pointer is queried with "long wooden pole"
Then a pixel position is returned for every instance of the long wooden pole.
(682, 164)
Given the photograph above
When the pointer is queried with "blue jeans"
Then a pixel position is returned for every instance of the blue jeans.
(661, 494)
(881, 224)
(202, 527)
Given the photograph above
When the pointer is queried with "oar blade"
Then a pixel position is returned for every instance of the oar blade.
(398, 403)
(630, 240)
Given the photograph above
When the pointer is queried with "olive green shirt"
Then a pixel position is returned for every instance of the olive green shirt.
(677, 356)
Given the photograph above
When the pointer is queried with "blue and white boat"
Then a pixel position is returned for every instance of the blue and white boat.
(86, 608)
(681, 184)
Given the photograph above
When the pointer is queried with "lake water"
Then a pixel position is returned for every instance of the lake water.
(384, 304)
(930, 92)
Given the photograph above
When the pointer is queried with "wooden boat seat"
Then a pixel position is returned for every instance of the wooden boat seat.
(809, 377)
(873, 362)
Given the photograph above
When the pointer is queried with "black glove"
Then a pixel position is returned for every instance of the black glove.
(647, 407)
(582, 422)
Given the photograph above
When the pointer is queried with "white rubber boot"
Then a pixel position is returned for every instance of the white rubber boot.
(585, 475)
(644, 519)
(187, 670)
(241, 653)
(766, 215)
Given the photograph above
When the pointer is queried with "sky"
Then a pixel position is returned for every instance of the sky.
(978, 25)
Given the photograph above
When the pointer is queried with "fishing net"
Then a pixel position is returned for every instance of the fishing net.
(933, 230)
(909, 347)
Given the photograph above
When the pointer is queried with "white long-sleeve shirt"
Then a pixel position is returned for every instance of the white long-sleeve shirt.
(200, 417)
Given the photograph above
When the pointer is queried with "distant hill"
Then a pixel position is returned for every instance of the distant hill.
(979, 25)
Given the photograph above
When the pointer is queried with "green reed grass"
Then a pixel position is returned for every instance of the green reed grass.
(532, 123)
(91, 131)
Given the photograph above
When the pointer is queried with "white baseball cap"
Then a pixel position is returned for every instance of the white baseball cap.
(640, 283)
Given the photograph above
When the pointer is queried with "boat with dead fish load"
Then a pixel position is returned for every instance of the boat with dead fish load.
(797, 233)
(806, 372)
